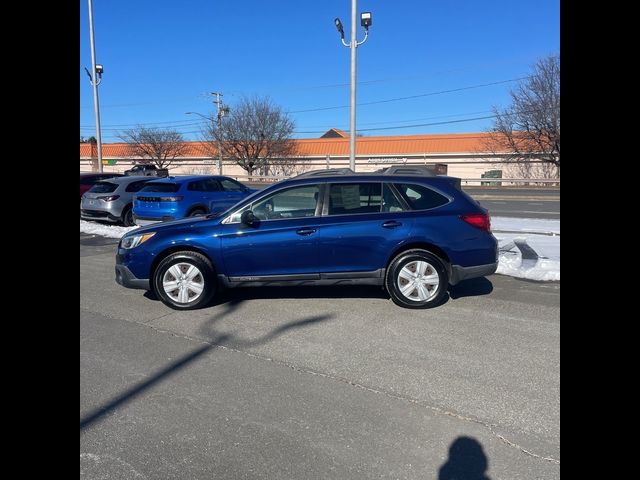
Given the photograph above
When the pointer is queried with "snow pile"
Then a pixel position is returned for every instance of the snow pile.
(110, 231)
(543, 236)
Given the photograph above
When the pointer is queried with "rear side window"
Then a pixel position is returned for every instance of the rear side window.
(347, 198)
(231, 185)
(161, 187)
(206, 185)
(420, 197)
(135, 186)
(103, 187)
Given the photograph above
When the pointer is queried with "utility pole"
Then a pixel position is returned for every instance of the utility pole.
(222, 111)
(96, 78)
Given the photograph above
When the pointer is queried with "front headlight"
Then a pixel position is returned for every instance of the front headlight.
(135, 240)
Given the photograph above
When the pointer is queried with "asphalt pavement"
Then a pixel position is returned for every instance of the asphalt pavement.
(519, 202)
(279, 383)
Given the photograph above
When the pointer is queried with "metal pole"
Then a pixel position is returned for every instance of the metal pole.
(94, 82)
(352, 127)
(218, 95)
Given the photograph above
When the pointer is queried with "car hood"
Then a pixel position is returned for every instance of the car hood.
(191, 222)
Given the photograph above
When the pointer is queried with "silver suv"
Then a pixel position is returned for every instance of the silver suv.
(111, 200)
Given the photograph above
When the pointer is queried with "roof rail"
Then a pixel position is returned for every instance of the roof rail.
(408, 170)
(327, 171)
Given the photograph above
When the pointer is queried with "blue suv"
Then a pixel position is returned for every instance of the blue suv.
(173, 198)
(405, 229)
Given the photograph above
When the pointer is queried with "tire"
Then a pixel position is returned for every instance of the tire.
(417, 279)
(127, 216)
(172, 271)
(196, 212)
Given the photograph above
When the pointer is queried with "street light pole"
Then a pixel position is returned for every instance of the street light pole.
(365, 21)
(352, 115)
(95, 82)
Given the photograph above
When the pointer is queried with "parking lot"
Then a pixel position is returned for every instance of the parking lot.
(318, 382)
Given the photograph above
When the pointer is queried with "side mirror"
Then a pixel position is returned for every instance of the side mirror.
(248, 218)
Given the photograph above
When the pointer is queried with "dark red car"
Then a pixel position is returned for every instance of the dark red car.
(87, 179)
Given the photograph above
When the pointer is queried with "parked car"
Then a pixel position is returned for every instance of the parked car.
(410, 231)
(147, 169)
(178, 197)
(88, 179)
(111, 200)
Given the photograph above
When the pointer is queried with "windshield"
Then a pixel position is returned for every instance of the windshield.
(249, 198)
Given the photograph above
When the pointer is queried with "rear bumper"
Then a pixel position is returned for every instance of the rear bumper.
(98, 215)
(143, 221)
(459, 273)
(127, 279)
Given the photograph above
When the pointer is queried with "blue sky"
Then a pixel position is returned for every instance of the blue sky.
(162, 57)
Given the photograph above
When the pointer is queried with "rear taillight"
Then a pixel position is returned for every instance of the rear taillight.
(171, 199)
(478, 220)
(110, 198)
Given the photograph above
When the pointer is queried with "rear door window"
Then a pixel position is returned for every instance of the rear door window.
(210, 185)
(351, 198)
(420, 197)
(390, 202)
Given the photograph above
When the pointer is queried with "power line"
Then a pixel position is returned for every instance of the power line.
(411, 96)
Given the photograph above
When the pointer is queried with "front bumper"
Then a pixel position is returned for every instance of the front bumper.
(127, 279)
(459, 273)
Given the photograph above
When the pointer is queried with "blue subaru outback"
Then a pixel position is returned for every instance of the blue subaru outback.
(405, 229)
(173, 198)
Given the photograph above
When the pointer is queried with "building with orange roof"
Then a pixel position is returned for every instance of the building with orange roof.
(464, 155)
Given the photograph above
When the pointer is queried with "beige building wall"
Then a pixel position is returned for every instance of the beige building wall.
(463, 165)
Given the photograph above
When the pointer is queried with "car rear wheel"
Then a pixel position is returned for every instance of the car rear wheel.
(185, 280)
(196, 212)
(127, 217)
(417, 279)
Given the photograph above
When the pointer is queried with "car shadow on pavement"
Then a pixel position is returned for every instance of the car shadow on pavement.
(471, 288)
(214, 340)
(467, 461)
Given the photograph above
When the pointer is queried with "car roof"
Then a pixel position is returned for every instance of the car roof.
(186, 178)
(366, 176)
(126, 179)
(100, 174)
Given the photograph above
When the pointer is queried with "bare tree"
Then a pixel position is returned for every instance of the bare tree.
(154, 145)
(256, 135)
(527, 133)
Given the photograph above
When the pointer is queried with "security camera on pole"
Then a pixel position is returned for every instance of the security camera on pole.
(365, 21)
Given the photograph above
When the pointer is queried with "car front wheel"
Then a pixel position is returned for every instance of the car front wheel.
(417, 279)
(185, 280)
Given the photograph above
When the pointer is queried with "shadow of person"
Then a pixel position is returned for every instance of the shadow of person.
(466, 461)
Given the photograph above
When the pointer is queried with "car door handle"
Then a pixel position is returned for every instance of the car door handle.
(306, 231)
(391, 224)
